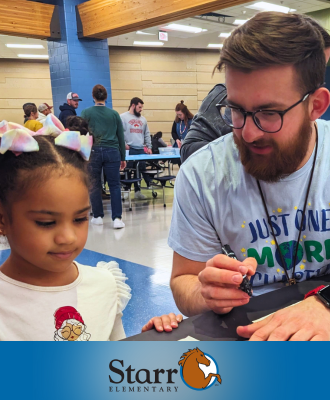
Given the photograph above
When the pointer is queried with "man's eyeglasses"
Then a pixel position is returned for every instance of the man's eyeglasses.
(269, 121)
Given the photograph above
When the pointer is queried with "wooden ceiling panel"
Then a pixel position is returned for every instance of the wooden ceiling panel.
(102, 19)
(26, 19)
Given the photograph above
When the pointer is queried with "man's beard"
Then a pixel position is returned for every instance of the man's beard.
(137, 114)
(281, 162)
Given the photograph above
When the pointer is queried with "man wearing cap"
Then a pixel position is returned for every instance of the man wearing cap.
(69, 108)
(44, 109)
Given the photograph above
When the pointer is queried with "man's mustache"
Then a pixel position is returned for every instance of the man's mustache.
(259, 143)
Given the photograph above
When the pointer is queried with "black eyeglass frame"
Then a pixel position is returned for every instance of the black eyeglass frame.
(253, 113)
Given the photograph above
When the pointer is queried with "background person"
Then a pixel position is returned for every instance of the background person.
(108, 153)
(44, 109)
(69, 108)
(75, 123)
(31, 115)
(207, 125)
(181, 123)
(157, 142)
(24, 105)
(137, 137)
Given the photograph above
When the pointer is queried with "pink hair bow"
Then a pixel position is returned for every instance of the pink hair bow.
(7, 126)
(75, 141)
(52, 126)
(18, 141)
(21, 140)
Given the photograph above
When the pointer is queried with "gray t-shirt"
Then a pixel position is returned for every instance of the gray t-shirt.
(215, 198)
(136, 131)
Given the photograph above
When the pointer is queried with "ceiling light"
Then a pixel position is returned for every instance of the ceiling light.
(225, 35)
(240, 21)
(263, 6)
(215, 45)
(32, 55)
(144, 33)
(184, 28)
(25, 46)
(137, 43)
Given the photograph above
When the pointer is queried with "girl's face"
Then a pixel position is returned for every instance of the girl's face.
(49, 224)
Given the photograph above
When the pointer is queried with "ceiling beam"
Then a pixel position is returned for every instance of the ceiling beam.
(29, 19)
(101, 19)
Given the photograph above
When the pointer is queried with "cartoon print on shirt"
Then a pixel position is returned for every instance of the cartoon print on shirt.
(69, 325)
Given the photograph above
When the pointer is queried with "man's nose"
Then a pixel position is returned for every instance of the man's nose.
(250, 131)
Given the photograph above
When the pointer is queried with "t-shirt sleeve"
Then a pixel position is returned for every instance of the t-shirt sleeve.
(192, 234)
(122, 117)
(147, 138)
(118, 332)
(123, 297)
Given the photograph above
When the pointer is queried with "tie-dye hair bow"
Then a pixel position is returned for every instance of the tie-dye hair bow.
(20, 140)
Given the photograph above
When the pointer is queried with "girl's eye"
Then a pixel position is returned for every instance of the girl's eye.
(80, 220)
(45, 224)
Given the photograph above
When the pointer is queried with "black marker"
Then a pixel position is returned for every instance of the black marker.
(245, 286)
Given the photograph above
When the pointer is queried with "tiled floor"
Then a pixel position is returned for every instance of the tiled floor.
(141, 251)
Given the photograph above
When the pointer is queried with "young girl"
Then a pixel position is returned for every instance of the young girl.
(44, 209)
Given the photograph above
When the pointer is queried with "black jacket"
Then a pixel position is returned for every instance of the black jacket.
(66, 111)
(207, 124)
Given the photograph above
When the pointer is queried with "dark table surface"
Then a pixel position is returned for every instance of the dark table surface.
(210, 326)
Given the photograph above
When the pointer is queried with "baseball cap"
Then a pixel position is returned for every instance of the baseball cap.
(44, 106)
(73, 96)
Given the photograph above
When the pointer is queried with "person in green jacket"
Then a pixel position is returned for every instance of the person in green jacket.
(108, 152)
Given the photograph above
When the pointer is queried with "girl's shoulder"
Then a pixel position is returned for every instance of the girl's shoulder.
(107, 277)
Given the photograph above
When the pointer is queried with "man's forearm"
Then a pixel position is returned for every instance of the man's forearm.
(186, 291)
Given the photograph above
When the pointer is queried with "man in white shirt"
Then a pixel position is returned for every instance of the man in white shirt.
(43, 110)
(264, 188)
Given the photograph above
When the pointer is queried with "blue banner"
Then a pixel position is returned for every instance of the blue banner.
(166, 370)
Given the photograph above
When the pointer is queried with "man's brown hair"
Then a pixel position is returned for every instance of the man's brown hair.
(272, 39)
(323, 31)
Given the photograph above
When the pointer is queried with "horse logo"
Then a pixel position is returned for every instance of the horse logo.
(199, 371)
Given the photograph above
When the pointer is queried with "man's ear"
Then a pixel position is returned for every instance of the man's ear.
(319, 103)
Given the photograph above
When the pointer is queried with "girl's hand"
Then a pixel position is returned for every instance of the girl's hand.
(164, 323)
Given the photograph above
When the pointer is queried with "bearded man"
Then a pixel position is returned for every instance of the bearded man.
(262, 189)
(137, 140)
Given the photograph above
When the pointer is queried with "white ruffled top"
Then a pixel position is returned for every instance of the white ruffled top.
(123, 290)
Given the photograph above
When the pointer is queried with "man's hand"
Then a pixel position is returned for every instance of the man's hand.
(220, 280)
(122, 165)
(149, 151)
(178, 142)
(164, 323)
(308, 320)
(126, 146)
